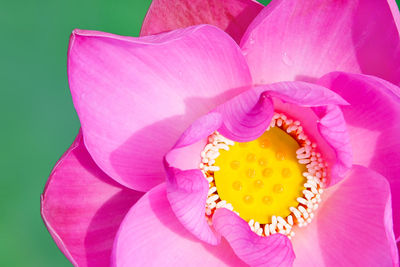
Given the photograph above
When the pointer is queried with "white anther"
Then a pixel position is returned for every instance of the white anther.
(212, 205)
(223, 146)
(251, 223)
(212, 190)
(212, 198)
(304, 161)
(281, 220)
(213, 168)
(313, 145)
(274, 220)
(304, 211)
(290, 219)
(301, 150)
(291, 128)
(295, 212)
(308, 194)
(272, 229)
(208, 147)
(221, 204)
(266, 229)
(210, 179)
(301, 136)
(259, 231)
(212, 155)
(314, 190)
(302, 200)
(279, 122)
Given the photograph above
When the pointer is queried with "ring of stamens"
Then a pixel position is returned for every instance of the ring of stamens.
(307, 155)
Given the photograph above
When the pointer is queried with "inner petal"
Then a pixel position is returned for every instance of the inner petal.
(273, 183)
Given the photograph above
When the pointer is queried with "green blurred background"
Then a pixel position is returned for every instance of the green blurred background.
(37, 116)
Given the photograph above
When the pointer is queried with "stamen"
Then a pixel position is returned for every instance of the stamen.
(307, 155)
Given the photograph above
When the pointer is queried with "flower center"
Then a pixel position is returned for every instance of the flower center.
(273, 182)
(261, 178)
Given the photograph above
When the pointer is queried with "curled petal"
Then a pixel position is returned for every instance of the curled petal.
(317, 108)
(373, 119)
(274, 250)
(303, 40)
(135, 96)
(187, 189)
(352, 227)
(82, 207)
(232, 16)
(246, 116)
(151, 235)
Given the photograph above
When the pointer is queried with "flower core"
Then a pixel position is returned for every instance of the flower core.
(273, 183)
(261, 178)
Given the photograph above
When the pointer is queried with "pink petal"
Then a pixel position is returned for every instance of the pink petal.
(316, 108)
(274, 250)
(353, 226)
(303, 40)
(150, 235)
(187, 189)
(246, 117)
(135, 96)
(82, 207)
(373, 120)
(232, 16)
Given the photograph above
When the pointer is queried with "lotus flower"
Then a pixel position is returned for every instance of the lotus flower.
(163, 116)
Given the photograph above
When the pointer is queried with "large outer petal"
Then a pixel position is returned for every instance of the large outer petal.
(373, 119)
(82, 207)
(150, 235)
(275, 250)
(303, 40)
(352, 227)
(232, 16)
(134, 96)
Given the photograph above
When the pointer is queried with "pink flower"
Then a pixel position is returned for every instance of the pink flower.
(148, 105)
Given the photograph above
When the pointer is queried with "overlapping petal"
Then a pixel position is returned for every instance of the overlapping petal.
(353, 226)
(317, 109)
(135, 96)
(150, 235)
(187, 188)
(82, 207)
(373, 120)
(303, 40)
(274, 250)
(232, 16)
